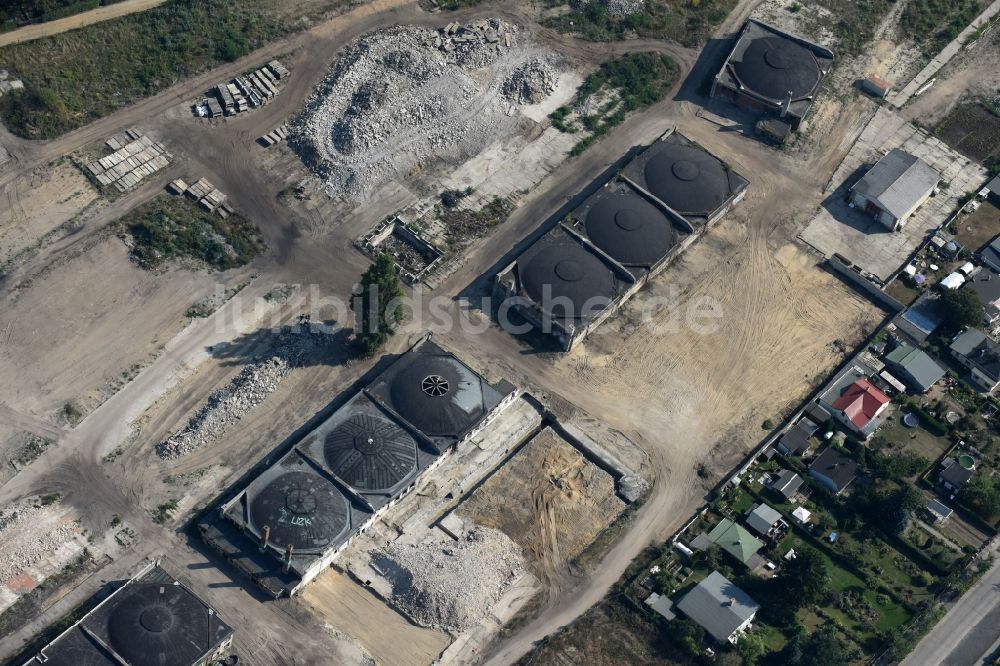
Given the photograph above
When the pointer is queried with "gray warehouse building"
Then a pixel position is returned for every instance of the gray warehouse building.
(576, 275)
(151, 619)
(294, 517)
(775, 73)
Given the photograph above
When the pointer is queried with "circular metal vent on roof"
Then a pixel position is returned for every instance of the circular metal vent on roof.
(434, 385)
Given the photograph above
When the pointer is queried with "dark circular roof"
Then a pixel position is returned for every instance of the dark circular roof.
(563, 277)
(687, 179)
(774, 67)
(158, 624)
(629, 228)
(437, 394)
(370, 453)
(302, 509)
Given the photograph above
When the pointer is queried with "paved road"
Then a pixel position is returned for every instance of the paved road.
(49, 28)
(969, 632)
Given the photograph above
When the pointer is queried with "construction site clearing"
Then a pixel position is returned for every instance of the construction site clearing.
(248, 91)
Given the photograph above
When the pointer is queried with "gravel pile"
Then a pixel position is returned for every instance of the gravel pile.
(246, 390)
(530, 83)
(22, 542)
(614, 7)
(447, 584)
(405, 96)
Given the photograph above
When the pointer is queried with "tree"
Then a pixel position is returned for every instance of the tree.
(823, 648)
(802, 580)
(896, 507)
(982, 494)
(961, 308)
(377, 304)
(751, 648)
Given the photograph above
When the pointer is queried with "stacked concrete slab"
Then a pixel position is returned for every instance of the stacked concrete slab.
(251, 90)
(135, 158)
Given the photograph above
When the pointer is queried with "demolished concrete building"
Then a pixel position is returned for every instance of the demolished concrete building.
(294, 517)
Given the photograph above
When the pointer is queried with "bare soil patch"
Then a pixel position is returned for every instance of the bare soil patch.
(974, 130)
(549, 499)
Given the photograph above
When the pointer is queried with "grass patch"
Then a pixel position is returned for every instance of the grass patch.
(75, 77)
(689, 22)
(617, 88)
(33, 446)
(164, 512)
(47, 499)
(461, 225)
(934, 23)
(14, 14)
(175, 228)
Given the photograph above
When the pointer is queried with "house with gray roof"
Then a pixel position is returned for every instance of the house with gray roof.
(990, 254)
(894, 188)
(920, 319)
(833, 470)
(980, 355)
(798, 439)
(766, 521)
(917, 370)
(787, 484)
(723, 610)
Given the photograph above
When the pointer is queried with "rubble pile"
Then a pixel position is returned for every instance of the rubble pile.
(23, 541)
(405, 254)
(530, 83)
(452, 585)
(246, 390)
(613, 7)
(401, 97)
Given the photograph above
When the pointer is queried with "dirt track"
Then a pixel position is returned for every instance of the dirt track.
(38, 30)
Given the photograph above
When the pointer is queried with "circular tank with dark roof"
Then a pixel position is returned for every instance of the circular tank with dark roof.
(629, 228)
(158, 624)
(438, 394)
(687, 179)
(370, 453)
(567, 280)
(775, 67)
(301, 508)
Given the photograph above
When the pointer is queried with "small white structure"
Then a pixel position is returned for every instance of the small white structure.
(802, 514)
(966, 268)
(952, 281)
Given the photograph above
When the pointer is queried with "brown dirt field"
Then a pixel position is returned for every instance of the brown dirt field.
(549, 499)
(973, 130)
(36, 203)
(385, 634)
(98, 315)
(49, 28)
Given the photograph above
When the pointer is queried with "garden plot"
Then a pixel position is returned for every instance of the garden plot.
(974, 130)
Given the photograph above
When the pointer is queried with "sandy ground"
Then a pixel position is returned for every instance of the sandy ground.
(30, 32)
(37, 203)
(549, 499)
(383, 633)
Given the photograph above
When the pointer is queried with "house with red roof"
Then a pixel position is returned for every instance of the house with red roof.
(856, 403)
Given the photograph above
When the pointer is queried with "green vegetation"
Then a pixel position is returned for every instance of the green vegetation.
(164, 511)
(174, 227)
(619, 86)
(937, 22)
(377, 305)
(981, 495)
(15, 14)
(33, 446)
(462, 225)
(75, 77)
(960, 308)
(48, 499)
(689, 22)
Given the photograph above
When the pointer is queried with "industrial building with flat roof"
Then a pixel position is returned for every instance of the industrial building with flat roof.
(578, 273)
(775, 73)
(151, 619)
(290, 522)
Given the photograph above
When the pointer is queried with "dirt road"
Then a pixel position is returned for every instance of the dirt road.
(49, 28)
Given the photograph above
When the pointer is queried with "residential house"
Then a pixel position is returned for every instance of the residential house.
(917, 370)
(798, 439)
(787, 484)
(733, 539)
(766, 521)
(990, 255)
(986, 284)
(834, 470)
(993, 193)
(953, 476)
(857, 405)
(939, 511)
(980, 355)
(920, 319)
(895, 188)
(723, 610)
